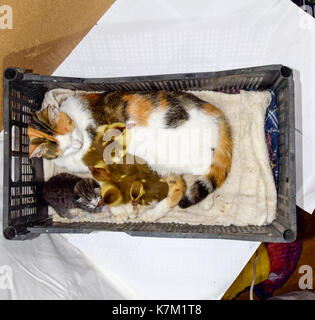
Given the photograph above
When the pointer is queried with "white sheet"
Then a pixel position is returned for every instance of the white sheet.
(161, 268)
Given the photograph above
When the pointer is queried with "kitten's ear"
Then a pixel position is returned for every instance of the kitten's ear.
(53, 113)
(36, 150)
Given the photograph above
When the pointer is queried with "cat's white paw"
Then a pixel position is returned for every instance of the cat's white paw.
(156, 213)
(151, 216)
(106, 209)
(133, 215)
(119, 214)
(121, 217)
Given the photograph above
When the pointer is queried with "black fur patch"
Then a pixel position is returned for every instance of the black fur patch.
(185, 203)
(91, 131)
(214, 183)
(175, 116)
(199, 192)
(191, 99)
(112, 108)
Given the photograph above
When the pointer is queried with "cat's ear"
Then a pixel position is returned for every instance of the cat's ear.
(33, 133)
(36, 150)
(53, 113)
(48, 115)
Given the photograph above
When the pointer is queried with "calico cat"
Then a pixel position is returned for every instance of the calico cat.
(66, 191)
(65, 135)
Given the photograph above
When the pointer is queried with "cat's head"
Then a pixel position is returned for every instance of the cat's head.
(53, 134)
(88, 193)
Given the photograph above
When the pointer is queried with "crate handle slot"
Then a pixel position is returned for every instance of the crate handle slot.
(289, 235)
(10, 73)
(286, 72)
(9, 233)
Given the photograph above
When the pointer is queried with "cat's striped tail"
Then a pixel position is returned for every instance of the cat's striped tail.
(221, 162)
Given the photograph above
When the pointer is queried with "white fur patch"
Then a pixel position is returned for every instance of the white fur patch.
(156, 213)
(70, 143)
(185, 149)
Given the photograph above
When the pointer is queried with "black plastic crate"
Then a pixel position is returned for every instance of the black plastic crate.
(23, 215)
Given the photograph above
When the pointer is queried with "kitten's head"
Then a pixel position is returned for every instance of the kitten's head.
(53, 134)
(88, 193)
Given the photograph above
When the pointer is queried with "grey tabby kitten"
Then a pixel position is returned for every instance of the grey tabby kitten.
(65, 191)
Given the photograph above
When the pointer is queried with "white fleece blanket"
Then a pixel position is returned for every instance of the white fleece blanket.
(248, 196)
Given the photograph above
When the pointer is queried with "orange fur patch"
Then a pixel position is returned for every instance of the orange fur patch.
(64, 124)
(33, 133)
(222, 160)
(93, 98)
(176, 190)
(138, 108)
(163, 103)
(212, 110)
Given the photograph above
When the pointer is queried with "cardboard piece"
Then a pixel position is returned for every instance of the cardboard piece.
(44, 33)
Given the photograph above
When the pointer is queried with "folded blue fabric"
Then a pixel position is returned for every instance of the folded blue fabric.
(272, 136)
